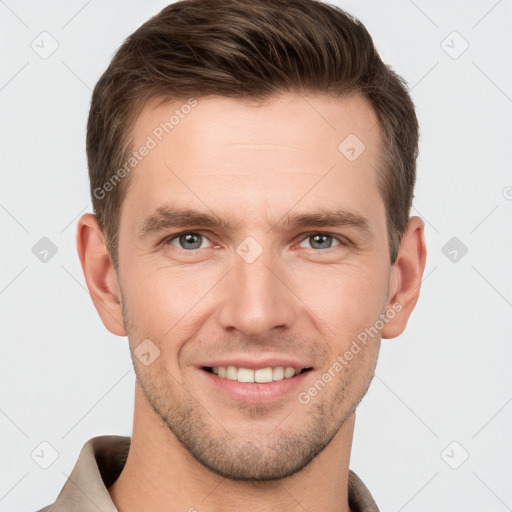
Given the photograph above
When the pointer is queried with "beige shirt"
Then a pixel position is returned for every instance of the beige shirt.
(101, 461)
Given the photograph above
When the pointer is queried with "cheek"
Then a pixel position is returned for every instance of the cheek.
(347, 299)
(164, 302)
(169, 303)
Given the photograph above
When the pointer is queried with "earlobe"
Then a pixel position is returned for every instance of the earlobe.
(99, 273)
(406, 276)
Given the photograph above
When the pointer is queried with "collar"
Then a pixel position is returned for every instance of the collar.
(101, 461)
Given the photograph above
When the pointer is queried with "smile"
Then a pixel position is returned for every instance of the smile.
(259, 375)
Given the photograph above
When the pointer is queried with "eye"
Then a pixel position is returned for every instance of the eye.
(191, 241)
(321, 241)
(188, 241)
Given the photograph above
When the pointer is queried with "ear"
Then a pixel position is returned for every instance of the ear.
(405, 278)
(99, 273)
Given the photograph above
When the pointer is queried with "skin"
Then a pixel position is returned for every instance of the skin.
(252, 165)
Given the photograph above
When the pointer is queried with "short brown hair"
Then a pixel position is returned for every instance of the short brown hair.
(248, 49)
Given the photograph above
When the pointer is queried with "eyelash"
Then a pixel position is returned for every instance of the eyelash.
(342, 240)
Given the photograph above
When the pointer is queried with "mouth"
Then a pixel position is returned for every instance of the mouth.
(263, 375)
(263, 378)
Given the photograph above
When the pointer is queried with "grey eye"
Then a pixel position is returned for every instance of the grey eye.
(320, 241)
(190, 241)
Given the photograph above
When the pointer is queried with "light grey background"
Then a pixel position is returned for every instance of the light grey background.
(66, 379)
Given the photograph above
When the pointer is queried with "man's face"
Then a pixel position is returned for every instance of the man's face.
(260, 290)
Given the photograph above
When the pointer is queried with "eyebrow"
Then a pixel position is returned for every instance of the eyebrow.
(166, 217)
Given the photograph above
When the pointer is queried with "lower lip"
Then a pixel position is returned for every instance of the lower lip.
(255, 392)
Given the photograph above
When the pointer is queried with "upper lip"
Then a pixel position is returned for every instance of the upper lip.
(255, 363)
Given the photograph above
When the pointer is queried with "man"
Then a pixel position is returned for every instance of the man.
(252, 166)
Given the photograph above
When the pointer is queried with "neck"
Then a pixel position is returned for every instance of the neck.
(160, 474)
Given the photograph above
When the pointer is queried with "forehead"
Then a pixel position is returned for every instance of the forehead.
(256, 158)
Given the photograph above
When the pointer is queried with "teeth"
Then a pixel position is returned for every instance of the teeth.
(231, 372)
(261, 375)
(245, 375)
(278, 373)
(289, 372)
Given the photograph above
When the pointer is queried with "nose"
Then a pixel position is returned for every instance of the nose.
(257, 297)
